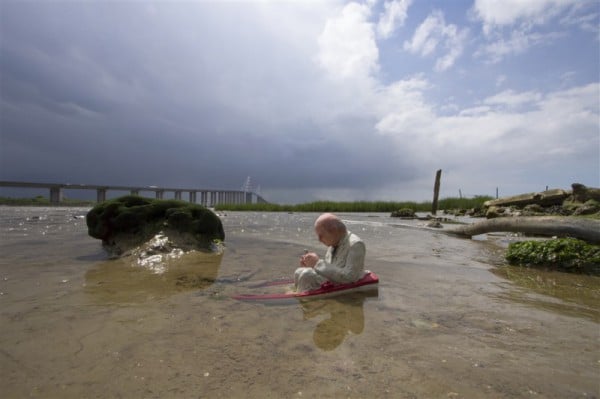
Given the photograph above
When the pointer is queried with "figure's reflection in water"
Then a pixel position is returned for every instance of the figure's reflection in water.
(345, 315)
(121, 280)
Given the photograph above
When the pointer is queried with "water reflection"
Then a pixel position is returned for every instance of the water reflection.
(567, 293)
(123, 281)
(345, 315)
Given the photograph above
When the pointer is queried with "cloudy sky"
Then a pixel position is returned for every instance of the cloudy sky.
(337, 100)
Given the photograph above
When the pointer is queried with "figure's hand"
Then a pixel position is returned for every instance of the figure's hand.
(309, 259)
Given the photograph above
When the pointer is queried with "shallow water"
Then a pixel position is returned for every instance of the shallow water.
(74, 324)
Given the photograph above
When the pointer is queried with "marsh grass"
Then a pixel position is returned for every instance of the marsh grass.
(316, 206)
(359, 206)
(40, 200)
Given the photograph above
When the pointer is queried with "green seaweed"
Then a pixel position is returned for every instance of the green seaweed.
(564, 254)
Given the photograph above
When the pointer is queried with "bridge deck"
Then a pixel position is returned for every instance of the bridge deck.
(207, 196)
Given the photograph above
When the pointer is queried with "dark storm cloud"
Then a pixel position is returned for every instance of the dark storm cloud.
(307, 98)
(131, 94)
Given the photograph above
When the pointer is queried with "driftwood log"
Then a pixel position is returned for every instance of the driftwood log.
(584, 229)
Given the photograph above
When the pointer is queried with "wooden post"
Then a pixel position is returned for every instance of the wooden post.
(436, 192)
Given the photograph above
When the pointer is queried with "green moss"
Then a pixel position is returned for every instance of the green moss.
(145, 217)
(403, 213)
(565, 254)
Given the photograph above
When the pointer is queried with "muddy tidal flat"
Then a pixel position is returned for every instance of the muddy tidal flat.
(442, 324)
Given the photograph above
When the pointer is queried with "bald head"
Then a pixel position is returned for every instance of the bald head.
(330, 222)
(330, 229)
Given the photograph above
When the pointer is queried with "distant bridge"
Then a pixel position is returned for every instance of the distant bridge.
(206, 197)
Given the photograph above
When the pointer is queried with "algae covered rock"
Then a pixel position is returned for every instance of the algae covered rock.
(129, 221)
(403, 213)
(583, 194)
(564, 254)
(581, 200)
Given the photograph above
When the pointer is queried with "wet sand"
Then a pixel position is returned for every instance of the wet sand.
(442, 325)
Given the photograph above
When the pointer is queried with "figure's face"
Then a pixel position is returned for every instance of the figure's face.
(326, 237)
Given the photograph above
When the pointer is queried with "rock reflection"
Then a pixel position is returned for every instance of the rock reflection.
(123, 281)
(345, 316)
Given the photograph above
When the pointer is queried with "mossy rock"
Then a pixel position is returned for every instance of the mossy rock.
(533, 209)
(564, 254)
(590, 207)
(456, 212)
(403, 213)
(583, 194)
(495, 211)
(132, 220)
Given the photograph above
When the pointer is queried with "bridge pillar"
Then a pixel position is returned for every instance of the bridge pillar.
(159, 194)
(56, 195)
(100, 195)
(178, 195)
(203, 198)
(248, 198)
(193, 197)
(213, 198)
(135, 192)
